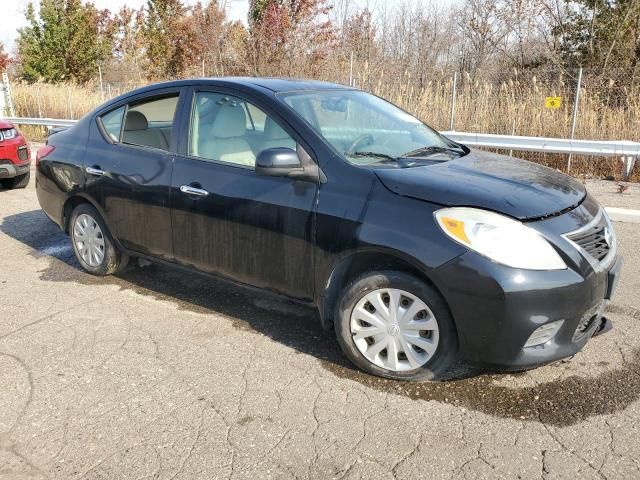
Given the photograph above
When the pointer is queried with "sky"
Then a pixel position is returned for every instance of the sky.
(12, 15)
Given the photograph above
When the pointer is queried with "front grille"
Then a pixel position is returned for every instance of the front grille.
(593, 241)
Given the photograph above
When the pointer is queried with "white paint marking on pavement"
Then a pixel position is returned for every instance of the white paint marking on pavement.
(623, 214)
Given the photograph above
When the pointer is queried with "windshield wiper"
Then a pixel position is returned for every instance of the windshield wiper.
(405, 160)
(383, 156)
(430, 150)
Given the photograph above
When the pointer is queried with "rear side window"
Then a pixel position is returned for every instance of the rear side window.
(149, 124)
(146, 124)
(112, 123)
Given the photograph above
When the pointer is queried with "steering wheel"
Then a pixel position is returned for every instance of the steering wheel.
(360, 139)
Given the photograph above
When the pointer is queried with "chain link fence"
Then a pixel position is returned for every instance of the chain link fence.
(538, 103)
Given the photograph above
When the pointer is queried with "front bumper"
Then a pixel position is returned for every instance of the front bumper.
(10, 170)
(497, 308)
(15, 157)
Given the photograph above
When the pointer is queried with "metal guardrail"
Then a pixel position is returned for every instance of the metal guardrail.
(604, 148)
(628, 151)
(44, 122)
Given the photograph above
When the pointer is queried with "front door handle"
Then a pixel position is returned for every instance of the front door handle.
(188, 189)
(94, 171)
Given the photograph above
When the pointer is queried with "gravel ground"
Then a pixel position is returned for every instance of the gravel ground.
(159, 374)
(608, 193)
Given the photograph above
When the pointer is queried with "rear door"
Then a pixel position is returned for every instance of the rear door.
(128, 170)
(227, 219)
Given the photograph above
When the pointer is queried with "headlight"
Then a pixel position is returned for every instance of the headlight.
(499, 238)
(9, 133)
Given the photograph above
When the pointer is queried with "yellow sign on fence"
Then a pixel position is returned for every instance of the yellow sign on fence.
(552, 102)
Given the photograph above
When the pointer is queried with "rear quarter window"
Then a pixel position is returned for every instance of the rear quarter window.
(112, 123)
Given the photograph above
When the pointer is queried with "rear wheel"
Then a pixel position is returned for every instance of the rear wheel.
(93, 245)
(393, 325)
(20, 181)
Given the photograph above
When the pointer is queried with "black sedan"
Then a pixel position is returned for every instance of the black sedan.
(419, 252)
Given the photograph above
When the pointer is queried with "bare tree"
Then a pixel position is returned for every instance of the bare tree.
(483, 26)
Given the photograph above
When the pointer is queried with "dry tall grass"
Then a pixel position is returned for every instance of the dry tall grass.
(54, 101)
(64, 100)
(519, 108)
(512, 107)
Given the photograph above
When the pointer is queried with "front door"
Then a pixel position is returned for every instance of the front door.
(227, 219)
(128, 171)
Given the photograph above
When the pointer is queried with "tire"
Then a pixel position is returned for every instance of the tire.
(406, 289)
(21, 181)
(112, 259)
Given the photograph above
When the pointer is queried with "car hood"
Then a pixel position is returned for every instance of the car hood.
(518, 188)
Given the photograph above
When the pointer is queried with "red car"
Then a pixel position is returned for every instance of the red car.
(15, 157)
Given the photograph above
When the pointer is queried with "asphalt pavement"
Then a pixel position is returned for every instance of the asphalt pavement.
(161, 374)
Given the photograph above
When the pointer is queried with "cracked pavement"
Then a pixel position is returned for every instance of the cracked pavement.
(160, 374)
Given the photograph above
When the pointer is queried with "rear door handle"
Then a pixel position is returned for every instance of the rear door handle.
(94, 171)
(188, 189)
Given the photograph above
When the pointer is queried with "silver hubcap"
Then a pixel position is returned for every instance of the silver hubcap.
(394, 329)
(89, 240)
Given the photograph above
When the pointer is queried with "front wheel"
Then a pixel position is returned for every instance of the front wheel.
(93, 245)
(395, 326)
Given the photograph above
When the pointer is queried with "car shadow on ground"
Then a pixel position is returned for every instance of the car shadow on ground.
(566, 401)
(292, 324)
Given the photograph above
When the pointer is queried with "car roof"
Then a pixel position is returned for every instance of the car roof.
(276, 85)
(283, 84)
(271, 84)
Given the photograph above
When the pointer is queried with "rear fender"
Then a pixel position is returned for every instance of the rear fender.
(76, 200)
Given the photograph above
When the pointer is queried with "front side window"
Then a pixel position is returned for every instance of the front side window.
(366, 129)
(228, 129)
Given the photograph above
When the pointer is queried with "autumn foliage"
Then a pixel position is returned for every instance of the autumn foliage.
(4, 58)
(69, 40)
(508, 56)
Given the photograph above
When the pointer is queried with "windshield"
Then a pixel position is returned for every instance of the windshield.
(367, 130)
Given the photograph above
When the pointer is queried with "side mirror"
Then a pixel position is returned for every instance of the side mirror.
(278, 162)
(285, 162)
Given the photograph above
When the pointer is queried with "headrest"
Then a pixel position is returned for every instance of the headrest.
(273, 131)
(136, 121)
(230, 122)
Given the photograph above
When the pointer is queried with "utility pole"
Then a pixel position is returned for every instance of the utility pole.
(454, 94)
(6, 102)
(101, 84)
(351, 71)
(576, 103)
